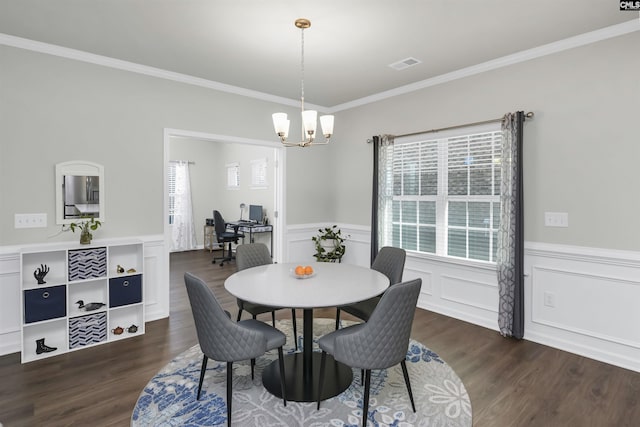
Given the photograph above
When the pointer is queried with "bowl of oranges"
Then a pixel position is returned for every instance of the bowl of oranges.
(302, 271)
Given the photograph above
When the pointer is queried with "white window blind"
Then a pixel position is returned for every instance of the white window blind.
(446, 192)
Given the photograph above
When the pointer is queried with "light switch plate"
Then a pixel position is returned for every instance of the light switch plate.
(556, 219)
(30, 220)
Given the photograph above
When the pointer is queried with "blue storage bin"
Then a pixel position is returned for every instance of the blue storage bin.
(125, 290)
(45, 303)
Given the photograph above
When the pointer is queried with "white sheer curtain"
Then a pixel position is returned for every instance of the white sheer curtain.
(183, 236)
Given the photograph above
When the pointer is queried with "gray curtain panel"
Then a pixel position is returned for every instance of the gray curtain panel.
(510, 256)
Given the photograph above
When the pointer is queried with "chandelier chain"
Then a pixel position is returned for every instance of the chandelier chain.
(302, 68)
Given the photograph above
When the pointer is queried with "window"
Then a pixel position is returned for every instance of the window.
(444, 193)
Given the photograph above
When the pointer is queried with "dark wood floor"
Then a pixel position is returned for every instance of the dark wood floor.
(510, 383)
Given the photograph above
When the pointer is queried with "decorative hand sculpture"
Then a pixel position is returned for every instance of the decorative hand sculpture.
(40, 273)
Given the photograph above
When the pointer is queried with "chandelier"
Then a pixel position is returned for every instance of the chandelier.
(309, 117)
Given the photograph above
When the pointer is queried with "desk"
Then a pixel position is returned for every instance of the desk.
(332, 285)
(251, 228)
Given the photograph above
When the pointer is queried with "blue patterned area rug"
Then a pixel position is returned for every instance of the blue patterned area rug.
(169, 399)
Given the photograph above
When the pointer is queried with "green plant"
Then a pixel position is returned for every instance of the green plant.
(329, 244)
(85, 227)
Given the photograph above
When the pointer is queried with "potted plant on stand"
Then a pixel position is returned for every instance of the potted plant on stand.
(329, 244)
(85, 227)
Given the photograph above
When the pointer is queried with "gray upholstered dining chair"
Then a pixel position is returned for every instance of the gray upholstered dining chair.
(379, 343)
(224, 340)
(390, 262)
(252, 255)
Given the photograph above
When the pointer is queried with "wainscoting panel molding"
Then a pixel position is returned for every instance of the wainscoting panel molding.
(9, 303)
(616, 302)
(585, 301)
(300, 247)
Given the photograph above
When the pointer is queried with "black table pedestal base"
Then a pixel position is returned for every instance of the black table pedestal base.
(301, 383)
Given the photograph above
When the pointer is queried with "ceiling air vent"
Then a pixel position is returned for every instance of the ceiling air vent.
(405, 63)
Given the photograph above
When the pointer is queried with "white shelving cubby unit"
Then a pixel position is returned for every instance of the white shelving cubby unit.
(106, 276)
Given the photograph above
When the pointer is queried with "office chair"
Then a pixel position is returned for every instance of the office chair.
(224, 340)
(380, 343)
(390, 262)
(225, 236)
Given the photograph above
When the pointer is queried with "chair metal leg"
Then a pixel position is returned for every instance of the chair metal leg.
(337, 318)
(273, 318)
(295, 327)
(229, 391)
(239, 315)
(282, 382)
(408, 383)
(203, 369)
(365, 399)
(253, 367)
(323, 360)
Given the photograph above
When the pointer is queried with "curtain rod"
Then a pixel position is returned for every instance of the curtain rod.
(528, 115)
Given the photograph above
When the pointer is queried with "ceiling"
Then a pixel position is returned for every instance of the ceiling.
(253, 44)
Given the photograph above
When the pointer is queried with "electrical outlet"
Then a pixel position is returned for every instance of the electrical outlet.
(30, 220)
(549, 299)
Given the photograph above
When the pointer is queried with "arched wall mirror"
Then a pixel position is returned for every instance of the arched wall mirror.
(79, 191)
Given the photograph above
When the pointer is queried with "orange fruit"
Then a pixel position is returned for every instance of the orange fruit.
(299, 270)
(308, 270)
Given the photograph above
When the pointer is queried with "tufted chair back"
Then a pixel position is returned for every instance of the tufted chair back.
(220, 338)
(390, 262)
(383, 340)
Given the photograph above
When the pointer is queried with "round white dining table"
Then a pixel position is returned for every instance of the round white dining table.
(331, 285)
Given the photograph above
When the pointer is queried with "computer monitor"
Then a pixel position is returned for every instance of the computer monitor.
(255, 213)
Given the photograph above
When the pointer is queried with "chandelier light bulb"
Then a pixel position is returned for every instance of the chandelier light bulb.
(310, 121)
(326, 123)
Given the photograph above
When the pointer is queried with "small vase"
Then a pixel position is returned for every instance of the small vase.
(85, 238)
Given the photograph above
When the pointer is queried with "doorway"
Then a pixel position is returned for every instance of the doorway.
(276, 156)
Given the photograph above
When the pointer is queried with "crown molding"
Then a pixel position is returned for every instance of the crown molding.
(548, 49)
(525, 55)
(78, 55)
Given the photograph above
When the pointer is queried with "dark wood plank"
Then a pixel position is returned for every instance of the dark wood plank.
(511, 383)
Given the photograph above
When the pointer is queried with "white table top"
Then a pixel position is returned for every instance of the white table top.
(332, 285)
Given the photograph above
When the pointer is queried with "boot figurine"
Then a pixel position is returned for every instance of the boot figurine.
(41, 347)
